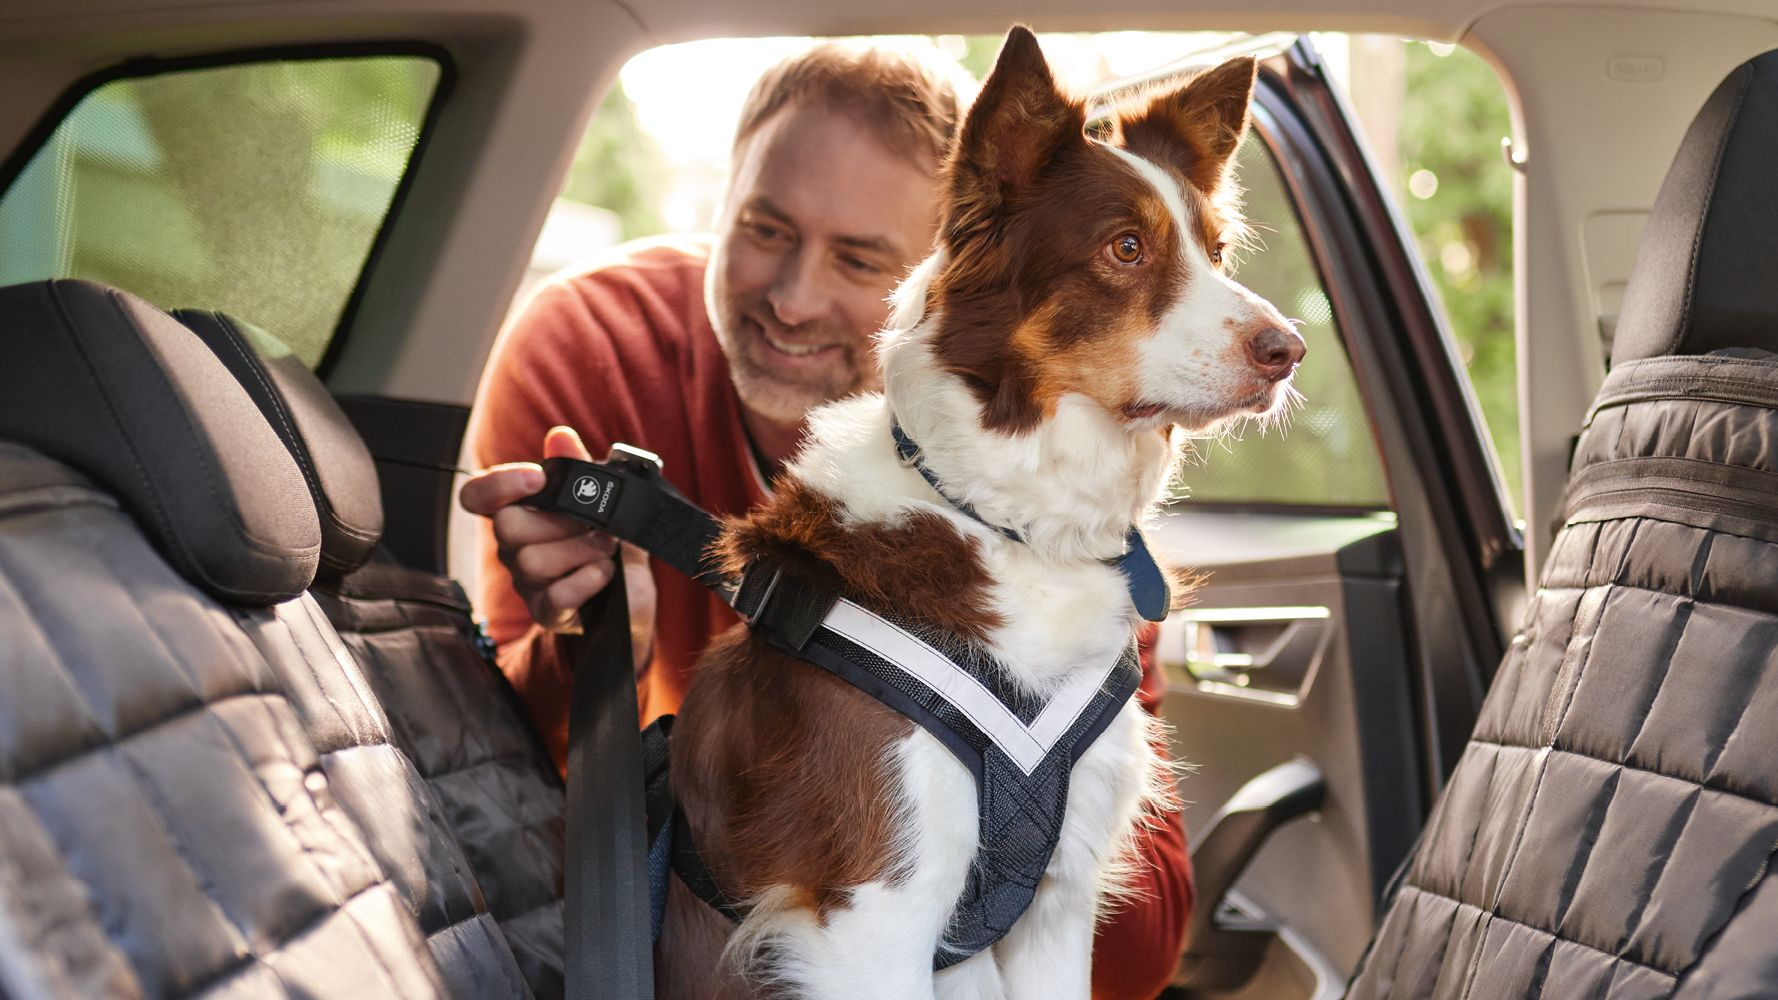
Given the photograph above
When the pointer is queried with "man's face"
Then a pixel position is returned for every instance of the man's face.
(822, 219)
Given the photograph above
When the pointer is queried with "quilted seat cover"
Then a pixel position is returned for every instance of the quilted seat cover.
(167, 826)
(1610, 830)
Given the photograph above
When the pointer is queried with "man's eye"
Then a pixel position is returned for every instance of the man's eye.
(1216, 253)
(858, 265)
(1126, 249)
(763, 231)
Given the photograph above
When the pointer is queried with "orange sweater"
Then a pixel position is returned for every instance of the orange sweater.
(625, 352)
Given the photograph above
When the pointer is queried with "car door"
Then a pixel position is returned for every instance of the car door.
(1357, 557)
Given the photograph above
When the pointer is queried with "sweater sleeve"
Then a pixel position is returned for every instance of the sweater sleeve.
(1137, 949)
(539, 376)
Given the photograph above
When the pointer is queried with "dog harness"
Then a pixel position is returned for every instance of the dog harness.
(1020, 750)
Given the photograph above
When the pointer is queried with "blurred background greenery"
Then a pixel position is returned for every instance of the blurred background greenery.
(1459, 203)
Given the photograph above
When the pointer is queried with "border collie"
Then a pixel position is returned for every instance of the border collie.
(1073, 327)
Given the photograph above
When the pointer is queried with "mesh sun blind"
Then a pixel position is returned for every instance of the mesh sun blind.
(257, 189)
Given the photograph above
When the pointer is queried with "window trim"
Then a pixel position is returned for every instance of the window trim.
(39, 134)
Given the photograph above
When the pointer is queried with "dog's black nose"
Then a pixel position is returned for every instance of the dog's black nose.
(1275, 351)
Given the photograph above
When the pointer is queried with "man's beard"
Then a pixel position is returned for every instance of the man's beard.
(767, 386)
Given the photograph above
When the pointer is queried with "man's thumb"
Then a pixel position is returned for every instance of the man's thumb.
(563, 442)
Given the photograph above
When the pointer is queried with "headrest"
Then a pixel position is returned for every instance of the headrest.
(1706, 276)
(341, 475)
(104, 382)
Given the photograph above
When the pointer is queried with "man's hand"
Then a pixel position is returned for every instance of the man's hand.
(557, 563)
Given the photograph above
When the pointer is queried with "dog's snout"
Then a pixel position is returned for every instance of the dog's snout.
(1275, 351)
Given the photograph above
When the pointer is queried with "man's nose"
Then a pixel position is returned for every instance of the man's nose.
(800, 293)
(1275, 351)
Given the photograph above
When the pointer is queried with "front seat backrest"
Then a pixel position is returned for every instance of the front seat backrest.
(1611, 828)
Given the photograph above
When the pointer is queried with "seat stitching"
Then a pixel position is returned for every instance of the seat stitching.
(45, 768)
(1740, 904)
(202, 875)
(1633, 767)
(370, 945)
(1662, 593)
(1542, 764)
(1662, 853)
(360, 845)
(1657, 970)
(490, 760)
(293, 442)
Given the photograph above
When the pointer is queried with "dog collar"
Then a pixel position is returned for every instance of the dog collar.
(1147, 584)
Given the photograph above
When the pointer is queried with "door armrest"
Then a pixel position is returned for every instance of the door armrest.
(1223, 954)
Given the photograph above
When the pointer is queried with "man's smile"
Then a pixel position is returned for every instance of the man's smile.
(790, 351)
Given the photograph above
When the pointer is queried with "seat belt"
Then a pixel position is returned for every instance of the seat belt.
(609, 940)
(609, 931)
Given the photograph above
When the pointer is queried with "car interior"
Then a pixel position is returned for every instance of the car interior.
(253, 740)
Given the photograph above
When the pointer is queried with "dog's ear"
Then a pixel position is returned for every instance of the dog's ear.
(1203, 120)
(1018, 123)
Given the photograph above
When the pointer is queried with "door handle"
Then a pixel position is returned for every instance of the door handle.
(1259, 653)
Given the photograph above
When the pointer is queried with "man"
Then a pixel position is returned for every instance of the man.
(711, 357)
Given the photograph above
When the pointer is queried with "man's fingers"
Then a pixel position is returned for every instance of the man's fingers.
(566, 595)
(564, 442)
(516, 527)
(544, 561)
(493, 489)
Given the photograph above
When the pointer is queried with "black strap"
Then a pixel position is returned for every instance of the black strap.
(610, 953)
(784, 605)
(627, 496)
(689, 865)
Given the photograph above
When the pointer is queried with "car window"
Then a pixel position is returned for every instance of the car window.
(257, 189)
(1321, 453)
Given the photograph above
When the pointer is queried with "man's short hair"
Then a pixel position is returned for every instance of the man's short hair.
(911, 101)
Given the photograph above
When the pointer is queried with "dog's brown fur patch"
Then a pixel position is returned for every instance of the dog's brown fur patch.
(784, 770)
(922, 567)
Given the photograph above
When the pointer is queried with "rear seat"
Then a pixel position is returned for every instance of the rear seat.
(200, 791)
(414, 636)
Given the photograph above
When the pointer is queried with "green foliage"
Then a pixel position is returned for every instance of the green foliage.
(618, 167)
(1451, 124)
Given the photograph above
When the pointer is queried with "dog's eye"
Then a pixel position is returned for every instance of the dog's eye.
(1126, 249)
(1216, 253)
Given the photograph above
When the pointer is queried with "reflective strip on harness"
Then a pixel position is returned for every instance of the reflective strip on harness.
(1025, 744)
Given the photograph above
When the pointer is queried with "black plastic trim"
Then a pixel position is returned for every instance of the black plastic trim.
(1453, 524)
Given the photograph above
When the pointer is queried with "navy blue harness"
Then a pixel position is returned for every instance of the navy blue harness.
(1021, 751)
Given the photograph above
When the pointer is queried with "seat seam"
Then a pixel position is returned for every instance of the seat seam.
(1627, 765)
(1492, 915)
(42, 770)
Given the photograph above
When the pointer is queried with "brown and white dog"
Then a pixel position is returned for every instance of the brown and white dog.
(1073, 326)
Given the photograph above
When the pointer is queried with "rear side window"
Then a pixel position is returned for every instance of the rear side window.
(258, 189)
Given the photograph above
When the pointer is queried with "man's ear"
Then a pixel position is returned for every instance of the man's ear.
(1018, 123)
(1207, 116)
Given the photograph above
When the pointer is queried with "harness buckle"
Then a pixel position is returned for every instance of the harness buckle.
(743, 596)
